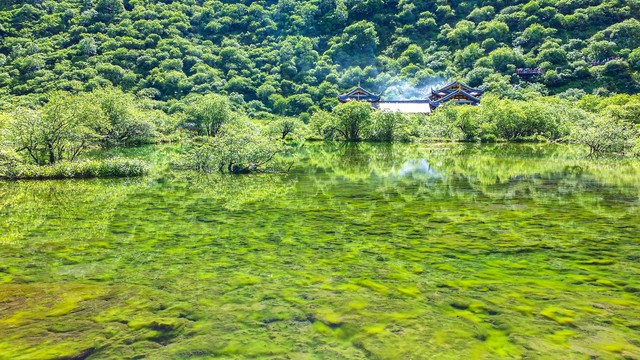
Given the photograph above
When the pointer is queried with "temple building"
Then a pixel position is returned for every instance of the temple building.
(402, 106)
(359, 94)
(455, 92)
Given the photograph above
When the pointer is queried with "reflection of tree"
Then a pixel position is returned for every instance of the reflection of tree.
(234, 191)
(538, 173)
(28, 207)
(357, 160)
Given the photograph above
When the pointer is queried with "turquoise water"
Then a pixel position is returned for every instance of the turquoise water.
(414, 251)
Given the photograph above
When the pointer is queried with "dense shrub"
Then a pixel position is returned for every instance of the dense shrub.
(606, 134)
(68, 124)
(8, 157)
(207, 114)
(239, 147)
(507, 119)
(440, 127)
(350, 121)
(116, 167)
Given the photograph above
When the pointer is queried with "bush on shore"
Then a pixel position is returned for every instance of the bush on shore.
(116, 167)
(68, 124)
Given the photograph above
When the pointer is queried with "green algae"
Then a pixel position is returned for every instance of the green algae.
(362, 251)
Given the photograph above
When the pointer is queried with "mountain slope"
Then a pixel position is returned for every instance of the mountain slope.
(291, 57)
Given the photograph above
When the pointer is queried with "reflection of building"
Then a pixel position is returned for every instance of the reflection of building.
(455, 92)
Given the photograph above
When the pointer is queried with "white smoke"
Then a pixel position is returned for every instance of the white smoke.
(407, 91)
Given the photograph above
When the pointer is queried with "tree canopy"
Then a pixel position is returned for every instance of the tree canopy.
(293, 57)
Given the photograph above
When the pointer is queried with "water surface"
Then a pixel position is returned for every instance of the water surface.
(362, 251)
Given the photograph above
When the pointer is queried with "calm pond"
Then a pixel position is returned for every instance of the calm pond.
(406, 251)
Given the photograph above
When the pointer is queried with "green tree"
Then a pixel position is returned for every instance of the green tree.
(388, 126)
(88, 46)
(503, 57)
(494, 29)
(127, 124)
(462, 34)
(61, 130)
(634, 59)
(358, 43)
(208, 113)
(109, 8)
(464, 59)
(351, 120)
(556, 56)
(605, 134)
(625, 34)
(534, 35)
(240, 147)
(285, 126)
(600, 50)
(485, 13)
(320, 124)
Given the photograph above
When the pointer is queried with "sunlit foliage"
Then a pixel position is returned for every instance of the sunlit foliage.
(239, 147)
(293, 57)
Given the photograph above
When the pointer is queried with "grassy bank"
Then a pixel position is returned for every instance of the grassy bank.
(82, 169)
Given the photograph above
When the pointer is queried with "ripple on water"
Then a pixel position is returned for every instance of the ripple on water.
(514, 251)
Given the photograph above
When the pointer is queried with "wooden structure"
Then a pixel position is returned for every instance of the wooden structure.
(529, 72)
(457, 93)
(359, 94)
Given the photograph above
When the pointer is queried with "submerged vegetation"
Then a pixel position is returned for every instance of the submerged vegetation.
(361, 250)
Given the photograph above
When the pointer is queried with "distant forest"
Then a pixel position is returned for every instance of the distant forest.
(292, 57)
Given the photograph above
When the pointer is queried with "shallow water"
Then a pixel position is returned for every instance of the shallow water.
(362, 251)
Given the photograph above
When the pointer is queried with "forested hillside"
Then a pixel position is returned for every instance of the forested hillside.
(293, 57)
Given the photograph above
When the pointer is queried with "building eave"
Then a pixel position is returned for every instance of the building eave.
(448, 97)
(459, 84)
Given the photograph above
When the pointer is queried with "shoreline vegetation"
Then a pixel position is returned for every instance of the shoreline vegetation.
(50, 140)
(80, 169)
